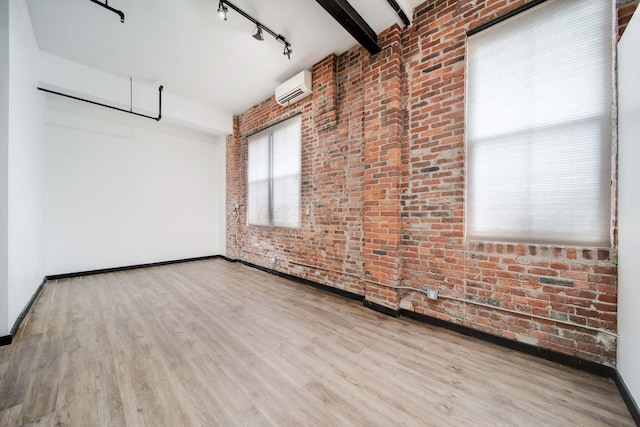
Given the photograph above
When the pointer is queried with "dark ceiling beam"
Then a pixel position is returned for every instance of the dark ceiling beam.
(403, 16)
(351, 20)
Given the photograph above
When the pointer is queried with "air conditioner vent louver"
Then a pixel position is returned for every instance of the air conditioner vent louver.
(289, 97)
(294, 89)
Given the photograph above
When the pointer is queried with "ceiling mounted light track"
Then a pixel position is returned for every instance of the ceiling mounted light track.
(258, 32)
(106, 6)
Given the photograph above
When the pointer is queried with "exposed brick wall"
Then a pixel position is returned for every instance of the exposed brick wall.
(383, 132)
(330, 237)
(383, 196)
(626, 8)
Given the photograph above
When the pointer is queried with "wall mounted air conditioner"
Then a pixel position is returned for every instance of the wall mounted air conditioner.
(294, 89)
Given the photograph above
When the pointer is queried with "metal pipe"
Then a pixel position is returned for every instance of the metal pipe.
(160, 88)
(106, 6)
(111, 106)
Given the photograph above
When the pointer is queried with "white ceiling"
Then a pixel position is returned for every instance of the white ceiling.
(185, 46)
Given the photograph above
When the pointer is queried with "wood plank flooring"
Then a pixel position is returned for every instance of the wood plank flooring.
(213, 343)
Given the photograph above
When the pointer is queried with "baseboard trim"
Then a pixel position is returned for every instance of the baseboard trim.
(631, 403)
(553, 356)
(381, 308)
(8, 339)
(128, 267)
(26, 309)
(331, 289)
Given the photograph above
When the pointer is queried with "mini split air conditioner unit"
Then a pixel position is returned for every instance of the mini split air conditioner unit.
(294, 89)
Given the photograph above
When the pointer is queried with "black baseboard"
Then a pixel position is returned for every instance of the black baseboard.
(128, 267)
(8, 339)
(631, 403)
(553, 356)
(26, 309)
(381, 308)
(297, 279)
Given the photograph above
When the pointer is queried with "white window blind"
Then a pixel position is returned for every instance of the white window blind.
(539, 97)
(274, 175)
(259, 180)
(286, 173)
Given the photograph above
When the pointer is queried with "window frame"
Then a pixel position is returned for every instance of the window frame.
(272, 222)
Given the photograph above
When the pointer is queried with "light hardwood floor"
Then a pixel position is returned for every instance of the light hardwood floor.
(213, 343)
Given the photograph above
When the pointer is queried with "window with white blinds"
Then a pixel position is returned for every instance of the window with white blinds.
(539, 124)
(274, 175)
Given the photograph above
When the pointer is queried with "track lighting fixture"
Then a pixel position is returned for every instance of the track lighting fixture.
(258, 32)
(287, 50)
(222, 11)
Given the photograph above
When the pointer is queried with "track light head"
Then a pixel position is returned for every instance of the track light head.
(222, 10)
(257, 33)
(287, 50)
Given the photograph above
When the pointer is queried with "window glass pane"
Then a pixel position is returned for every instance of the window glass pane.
(286, 148)
(258, 180)
(539, 94)
(286, 173)
(286, 201)
(258, 157)
(258, 212)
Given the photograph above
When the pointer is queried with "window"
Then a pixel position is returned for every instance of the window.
(539, 124)
(274, 175)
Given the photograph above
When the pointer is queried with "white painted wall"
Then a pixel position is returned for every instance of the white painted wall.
(26, 262)
(123, 190)
(629, 207)
(4, 167)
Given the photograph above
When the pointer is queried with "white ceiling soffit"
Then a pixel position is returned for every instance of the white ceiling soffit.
(185, 46)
